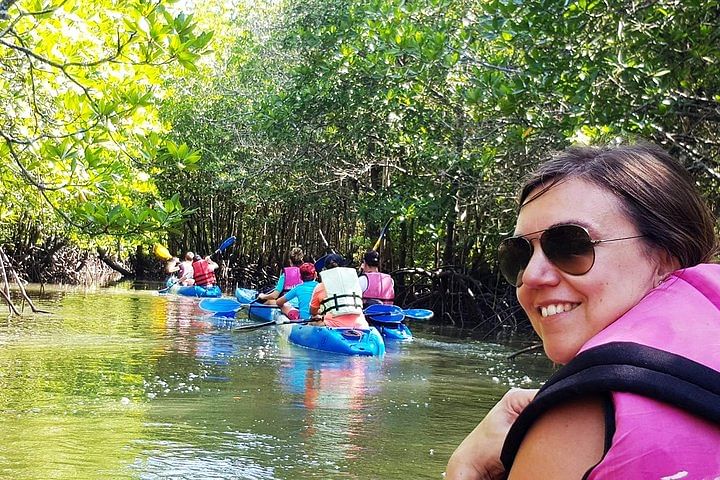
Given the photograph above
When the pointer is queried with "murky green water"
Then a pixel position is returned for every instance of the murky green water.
(126, 384)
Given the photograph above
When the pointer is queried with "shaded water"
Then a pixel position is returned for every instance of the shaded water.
(126, 384)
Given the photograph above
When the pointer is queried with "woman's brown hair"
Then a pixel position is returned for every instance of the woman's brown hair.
(655, 191)
(297, 256)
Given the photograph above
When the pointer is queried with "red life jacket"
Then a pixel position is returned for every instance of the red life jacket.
(202, 273)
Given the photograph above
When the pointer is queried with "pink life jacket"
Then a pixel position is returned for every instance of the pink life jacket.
(380, 287)
(660, 365)
(292, 278)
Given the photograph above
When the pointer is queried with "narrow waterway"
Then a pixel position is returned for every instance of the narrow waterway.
(120, 383)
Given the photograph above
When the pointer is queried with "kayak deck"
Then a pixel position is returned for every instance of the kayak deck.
(345, 341)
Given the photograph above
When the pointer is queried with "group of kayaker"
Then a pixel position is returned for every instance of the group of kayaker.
(193, 270)
(339, 298)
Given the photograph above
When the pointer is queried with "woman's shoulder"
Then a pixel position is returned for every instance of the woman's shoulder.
(564, 443)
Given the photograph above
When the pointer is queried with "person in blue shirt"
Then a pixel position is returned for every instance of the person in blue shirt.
(302, 292)
(289, 278)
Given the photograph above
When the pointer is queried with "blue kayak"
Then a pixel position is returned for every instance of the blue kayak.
(256, 310)
(266, 313)
(245, 295)
(388, 320)
(190, 290)
(345, 341)
(392, 331)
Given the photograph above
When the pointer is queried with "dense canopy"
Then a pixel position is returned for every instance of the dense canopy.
(274, 121)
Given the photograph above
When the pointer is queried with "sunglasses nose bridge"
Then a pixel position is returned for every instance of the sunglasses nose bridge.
(540, 269)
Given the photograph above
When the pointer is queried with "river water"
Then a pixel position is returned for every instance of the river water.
(121, 383)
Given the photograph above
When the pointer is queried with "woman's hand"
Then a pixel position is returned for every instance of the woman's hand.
(478, 456)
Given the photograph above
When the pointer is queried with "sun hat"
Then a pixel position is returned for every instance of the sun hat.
(334, 258)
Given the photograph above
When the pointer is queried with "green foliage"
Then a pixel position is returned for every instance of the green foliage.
(79, 89)
(346, 113)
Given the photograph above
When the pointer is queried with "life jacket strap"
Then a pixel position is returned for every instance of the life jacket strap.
(623, 367)
(332, 303)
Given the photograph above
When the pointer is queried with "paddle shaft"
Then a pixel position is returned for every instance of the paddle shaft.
(376, 247)
(273, 322)
(322, 236)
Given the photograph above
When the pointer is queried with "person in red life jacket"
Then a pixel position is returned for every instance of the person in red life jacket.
(204, 271)
(338, 298)
(610, 260)
(377, 287)
(289, 278)
(302, 294)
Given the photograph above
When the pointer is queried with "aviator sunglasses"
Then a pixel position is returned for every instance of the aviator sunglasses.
(568, 247)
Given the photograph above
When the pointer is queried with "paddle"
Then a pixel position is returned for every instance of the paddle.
(376, 247)
(227, 305)
(243, 298)
(320, 263)
(221, 305)
(395, 314)
(223, 246)
(282, 320)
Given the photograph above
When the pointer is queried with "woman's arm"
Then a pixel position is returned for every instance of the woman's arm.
(563, 443)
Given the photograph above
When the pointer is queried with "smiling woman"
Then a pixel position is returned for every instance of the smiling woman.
(608, 259)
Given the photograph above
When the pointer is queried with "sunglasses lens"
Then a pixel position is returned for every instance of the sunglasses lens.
(514, 255)
(569, 248)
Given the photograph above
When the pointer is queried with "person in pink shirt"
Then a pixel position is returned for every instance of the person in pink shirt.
(610, 258)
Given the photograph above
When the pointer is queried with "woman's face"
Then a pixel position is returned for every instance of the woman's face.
(567, 310)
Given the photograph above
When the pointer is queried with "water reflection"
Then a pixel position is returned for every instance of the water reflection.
(120, 383)
(336, 392)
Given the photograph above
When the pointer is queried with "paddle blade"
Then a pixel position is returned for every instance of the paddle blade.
(385, 313)
(223, 246)
(418, 313)
(215, 305)
(161, 252)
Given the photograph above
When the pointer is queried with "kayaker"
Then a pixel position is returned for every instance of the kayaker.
(172, 265)
(204, 271)
(377, 287)
(186, 272)
(303, 294)
(182, 272)
(289, 277)
(609, 258)
(338, 298)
